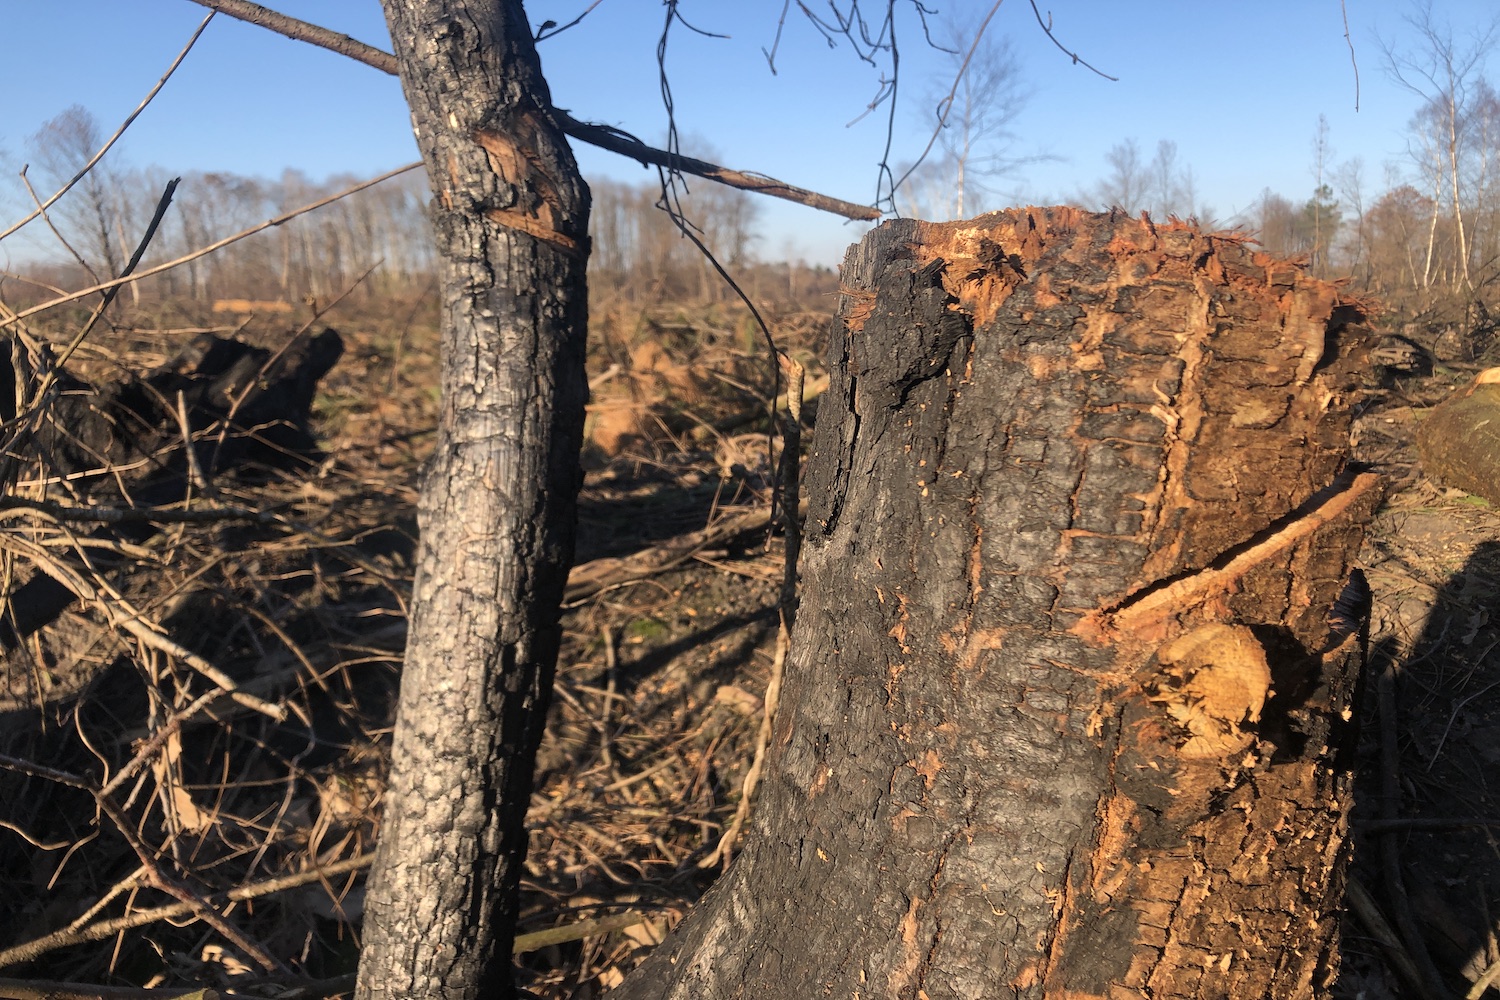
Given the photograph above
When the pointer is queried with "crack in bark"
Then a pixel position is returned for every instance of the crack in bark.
(1181, 590)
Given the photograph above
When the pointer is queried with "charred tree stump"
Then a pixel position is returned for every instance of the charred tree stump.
(1065, 714)
(124, 446)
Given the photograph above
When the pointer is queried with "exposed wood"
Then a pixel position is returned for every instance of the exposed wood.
(1064, 710)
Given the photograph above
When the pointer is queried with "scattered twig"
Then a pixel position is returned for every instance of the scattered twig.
(1364, 906)
(121, 616)
(592, 577)
(1429, 982)
(791, 460)
(537, 940)
(44, 989)
(26, 951)
(1424, 823)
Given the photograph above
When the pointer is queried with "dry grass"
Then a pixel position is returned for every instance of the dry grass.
(194, 750)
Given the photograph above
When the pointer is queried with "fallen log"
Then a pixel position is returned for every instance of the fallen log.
(1459, 439)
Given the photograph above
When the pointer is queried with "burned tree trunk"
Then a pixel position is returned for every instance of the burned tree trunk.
(498, 503)
(1064, 711)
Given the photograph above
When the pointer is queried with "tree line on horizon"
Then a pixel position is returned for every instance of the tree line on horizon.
(1429, 235)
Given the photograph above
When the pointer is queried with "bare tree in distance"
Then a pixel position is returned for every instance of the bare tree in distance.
(1349, 182)
(1322, 154)
(1163, 187)
(1445, 72)
(92, 217)
(975, 144)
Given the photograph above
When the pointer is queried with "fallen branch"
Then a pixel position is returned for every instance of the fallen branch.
(598, 574)
(43, 989)
(28, 950)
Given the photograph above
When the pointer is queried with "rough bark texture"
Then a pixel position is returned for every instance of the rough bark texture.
(1063, 711)
(1459, 439)
(497, 506)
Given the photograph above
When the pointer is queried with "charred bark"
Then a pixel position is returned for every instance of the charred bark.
(1064, 710)
(497, 507)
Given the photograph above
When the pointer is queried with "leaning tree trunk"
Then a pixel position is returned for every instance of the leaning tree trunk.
(1065, 712)
(497, 504)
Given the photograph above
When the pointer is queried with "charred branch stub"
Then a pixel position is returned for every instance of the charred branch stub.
(1064, 704)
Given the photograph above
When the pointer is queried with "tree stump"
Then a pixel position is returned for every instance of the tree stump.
(220, 408)
(1064, 715)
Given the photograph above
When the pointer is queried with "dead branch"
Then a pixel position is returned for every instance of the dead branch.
(1047, 27)
(602, 136)
(28, 950)
(43, 989)
(592, 577)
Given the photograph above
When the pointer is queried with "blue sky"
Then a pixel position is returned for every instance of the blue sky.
(1237, 85)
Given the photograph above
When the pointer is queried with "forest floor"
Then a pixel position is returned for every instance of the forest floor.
(1426, 824)
(658, 694)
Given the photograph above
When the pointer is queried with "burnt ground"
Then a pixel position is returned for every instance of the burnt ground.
(658, 695)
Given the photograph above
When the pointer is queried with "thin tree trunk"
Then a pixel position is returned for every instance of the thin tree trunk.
(1063, 707)
(1458, 215)
(497, 508)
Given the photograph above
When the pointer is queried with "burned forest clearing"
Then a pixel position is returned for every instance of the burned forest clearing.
(290, 569)
(209, 561)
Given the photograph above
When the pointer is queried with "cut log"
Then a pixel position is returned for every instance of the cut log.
(1065, 716)
(1459, 439)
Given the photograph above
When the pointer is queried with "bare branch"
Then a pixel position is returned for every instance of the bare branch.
(549, 29)
(946, 104)
(139, 918)
(1047, 27)
(1352, 61)
(602, 136)
(118, 132)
